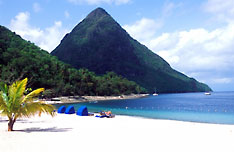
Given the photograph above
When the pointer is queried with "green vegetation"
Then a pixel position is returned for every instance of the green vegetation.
(100, 44)
(14, 104)
(20, 59)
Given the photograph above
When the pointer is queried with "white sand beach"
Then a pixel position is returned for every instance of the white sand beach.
(122, 133)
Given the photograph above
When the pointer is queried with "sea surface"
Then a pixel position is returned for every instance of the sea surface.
(195, 107)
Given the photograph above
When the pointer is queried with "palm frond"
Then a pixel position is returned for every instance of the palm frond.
(32, 95)
(3, 87)
(4, 92)
(21, 86)
(16, 91)
(33, 108)
(2, 103)
(4, 100)
(14, 104)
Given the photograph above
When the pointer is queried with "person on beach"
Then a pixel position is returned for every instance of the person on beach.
(102, 113)
(109, 114)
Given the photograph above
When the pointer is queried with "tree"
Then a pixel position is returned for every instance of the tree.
(14, 104)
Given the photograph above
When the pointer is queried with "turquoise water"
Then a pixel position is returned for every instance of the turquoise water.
(195, 107)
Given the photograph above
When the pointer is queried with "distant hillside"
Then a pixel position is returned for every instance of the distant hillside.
(100, 44)
(20, 59)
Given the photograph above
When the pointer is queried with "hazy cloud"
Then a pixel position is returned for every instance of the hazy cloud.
(169, 7)
(47, 38)
(96, 2)
(66, 14)
(222, 80)
(222, 9)
(36, 7)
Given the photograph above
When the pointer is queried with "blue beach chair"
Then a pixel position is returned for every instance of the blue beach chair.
(70, 110)
(83, 111)
(62, 109)
(101, 116)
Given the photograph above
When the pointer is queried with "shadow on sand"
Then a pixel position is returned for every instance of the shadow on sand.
(20, 121)
(27, 121)
(38, 129)
(3, 120)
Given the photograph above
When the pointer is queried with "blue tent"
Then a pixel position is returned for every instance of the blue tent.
(70, 110)
(62, 109)
(82, 111)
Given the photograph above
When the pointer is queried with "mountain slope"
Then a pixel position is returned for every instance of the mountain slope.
(20, 59)
(100, 44)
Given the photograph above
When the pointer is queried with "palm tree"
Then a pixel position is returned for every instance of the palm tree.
(14, 104)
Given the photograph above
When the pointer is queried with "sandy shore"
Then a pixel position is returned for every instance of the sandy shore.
(74, 99)
(120, 134)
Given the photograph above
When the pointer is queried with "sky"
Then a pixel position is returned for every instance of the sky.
(196, 37)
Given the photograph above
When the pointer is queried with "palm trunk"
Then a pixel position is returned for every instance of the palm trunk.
(11, 124)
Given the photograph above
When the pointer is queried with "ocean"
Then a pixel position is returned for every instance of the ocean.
(216, 108)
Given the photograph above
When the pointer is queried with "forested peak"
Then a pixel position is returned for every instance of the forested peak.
(5, 30)
(2, 28)
(101, 45)
(97, 13)
(97, 21)
(98, 17)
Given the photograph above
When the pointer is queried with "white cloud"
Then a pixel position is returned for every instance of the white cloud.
(52, 36)
(47, 39)
(143, 29)
(36, 7)
(193, 51)
(21, 26)
(96, 2)
(197, 49)
(222, 9)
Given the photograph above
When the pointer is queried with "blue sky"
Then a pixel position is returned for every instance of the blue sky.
(195, 37)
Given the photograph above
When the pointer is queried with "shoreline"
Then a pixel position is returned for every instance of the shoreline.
(122, 133)
(78, 99)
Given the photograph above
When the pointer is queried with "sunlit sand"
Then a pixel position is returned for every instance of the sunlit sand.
(122, 133)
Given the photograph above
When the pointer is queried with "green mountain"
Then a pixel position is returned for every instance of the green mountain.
(20, 59)
(100, 44)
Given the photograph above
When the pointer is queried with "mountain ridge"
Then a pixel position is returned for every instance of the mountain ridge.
(100, 44)
(20, 58)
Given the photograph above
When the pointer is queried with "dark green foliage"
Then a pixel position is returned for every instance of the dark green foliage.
(112, 84)
(20, 59)
(100, 44)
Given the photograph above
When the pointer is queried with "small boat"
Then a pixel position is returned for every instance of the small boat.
(207, 93)
(155, 94)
